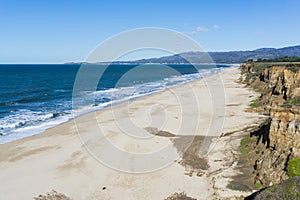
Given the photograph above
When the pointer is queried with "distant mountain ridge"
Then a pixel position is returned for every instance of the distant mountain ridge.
(224, 57)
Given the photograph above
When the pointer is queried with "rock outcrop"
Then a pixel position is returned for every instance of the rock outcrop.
(278, 140)
(288, 189)
(282, 143)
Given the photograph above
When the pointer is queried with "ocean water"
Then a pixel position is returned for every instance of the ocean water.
(36, 97)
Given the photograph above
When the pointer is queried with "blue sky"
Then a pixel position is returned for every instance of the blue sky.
(61, 31)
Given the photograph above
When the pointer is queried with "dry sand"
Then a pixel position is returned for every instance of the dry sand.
(149, 148)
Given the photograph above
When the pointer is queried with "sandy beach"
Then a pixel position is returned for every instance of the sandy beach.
(149, 148)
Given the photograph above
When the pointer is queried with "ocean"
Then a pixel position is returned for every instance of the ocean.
(36, 97)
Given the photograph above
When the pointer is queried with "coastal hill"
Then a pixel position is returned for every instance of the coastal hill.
(225, 57)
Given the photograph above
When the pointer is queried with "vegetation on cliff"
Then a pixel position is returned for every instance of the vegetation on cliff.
(273, 150)
(282, 59)
(293, 167)
(288, 189)
(277, 83)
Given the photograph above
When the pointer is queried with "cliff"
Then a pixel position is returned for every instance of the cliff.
(277, 141)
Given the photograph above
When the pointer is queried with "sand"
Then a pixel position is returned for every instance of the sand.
(147, 148)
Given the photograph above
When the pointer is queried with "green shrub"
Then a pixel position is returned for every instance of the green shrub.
(258, 186)
(265, 122)
(255, 104)
(293, 68)
(286, 190)
(293, 167)
(246, 140)
(245, 150)
(293, 102)
(244, 144)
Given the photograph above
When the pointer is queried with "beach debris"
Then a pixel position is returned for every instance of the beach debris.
(179, 196)
(53, 195)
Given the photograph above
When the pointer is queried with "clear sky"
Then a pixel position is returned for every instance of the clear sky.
(58, 31)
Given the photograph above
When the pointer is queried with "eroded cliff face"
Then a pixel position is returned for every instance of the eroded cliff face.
(278, 139)
(282, 143)
(278, 85)
(283, 82)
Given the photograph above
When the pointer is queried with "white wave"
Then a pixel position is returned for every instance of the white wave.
(32, 130)
(20, 118)
(24, 123)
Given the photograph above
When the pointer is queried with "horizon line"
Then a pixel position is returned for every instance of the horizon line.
(209, 51)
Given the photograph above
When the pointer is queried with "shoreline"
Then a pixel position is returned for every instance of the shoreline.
(57, 159)
(66, 118)
(35, 129)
